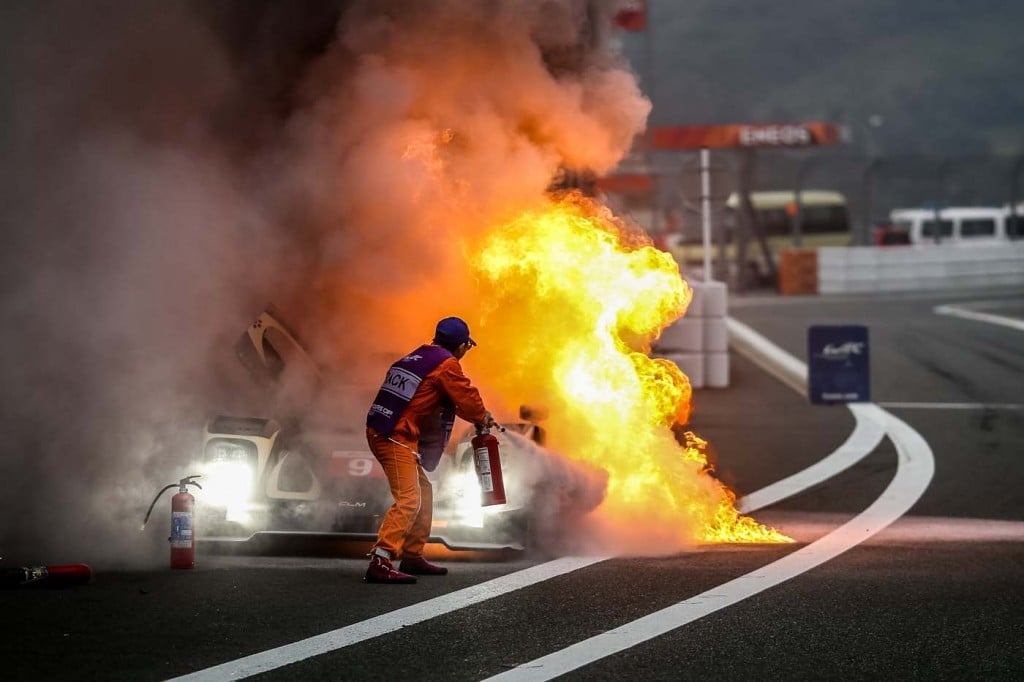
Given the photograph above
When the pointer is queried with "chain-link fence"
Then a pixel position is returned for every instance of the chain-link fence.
(872, 186)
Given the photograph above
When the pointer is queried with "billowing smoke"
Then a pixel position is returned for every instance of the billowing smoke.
(170, 169)
(426, 123)
(132, 246)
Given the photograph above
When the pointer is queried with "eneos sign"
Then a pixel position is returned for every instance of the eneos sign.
(746, 135)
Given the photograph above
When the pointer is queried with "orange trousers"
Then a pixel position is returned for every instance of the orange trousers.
(406, 525)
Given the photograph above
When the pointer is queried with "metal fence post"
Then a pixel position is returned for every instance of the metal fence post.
(797, 217)
(1018, 168)
(863, 236)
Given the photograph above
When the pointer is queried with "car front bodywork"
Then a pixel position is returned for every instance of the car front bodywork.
(266, 477)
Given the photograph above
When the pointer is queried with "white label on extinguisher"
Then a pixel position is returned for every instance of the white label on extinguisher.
(181, 529)
(483, 461)
(483, 468)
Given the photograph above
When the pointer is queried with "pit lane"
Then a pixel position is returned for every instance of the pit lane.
(936, 599)
(914, 472)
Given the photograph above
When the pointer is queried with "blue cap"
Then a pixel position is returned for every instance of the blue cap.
(453, 331)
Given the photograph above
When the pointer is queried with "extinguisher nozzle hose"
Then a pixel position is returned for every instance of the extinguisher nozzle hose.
(181, 484)
(153, 504)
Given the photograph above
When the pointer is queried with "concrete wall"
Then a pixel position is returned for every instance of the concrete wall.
(919, 268)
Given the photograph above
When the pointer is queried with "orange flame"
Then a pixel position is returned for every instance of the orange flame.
(573, 302)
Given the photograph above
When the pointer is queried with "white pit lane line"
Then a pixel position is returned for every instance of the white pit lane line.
(865, 437)
(914, 470)
(867, 433)
(271, 659)
(961, 311)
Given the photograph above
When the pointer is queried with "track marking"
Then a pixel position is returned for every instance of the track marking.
(767, 355)
(944, 529)
(863, 436)
(867, 433)
(958, 311)
(953, 406)
(866, 436)
(914, 470)
(931, 530)
(388, 622)
(913, 473)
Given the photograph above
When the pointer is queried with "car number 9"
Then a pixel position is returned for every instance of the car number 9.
(359, 466)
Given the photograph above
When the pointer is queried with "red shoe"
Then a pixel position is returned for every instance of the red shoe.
(419, 566)
(380, 570)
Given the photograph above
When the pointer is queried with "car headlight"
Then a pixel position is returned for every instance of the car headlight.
(229, 472)
(467, 510)
(466, 491)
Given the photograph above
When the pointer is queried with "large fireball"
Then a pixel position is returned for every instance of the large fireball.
(572, 302)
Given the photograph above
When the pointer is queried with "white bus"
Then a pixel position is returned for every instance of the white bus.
(823, 212)
(956, 225)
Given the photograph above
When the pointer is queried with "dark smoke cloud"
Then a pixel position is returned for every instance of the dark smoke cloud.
(168, 169)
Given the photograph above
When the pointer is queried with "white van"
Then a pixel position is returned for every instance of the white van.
(956, 225)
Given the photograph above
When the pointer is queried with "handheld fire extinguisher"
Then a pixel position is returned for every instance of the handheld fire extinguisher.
(60, 575)
(487, 460)
(183, 536)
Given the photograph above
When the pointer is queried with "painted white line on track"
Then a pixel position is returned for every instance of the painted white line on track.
(944, 529)
(915, 530)
(783, 366)
(957, 311)
(388, 622)
(952, 406)
(914, 470)
(866, 436)
(867, 433)
(767, 355)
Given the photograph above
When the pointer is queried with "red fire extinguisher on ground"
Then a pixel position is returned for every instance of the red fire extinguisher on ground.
(60, 575)
(183, 536)
(487, 460)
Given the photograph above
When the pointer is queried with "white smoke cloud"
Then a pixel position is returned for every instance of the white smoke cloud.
(132, 243)
(172, 170)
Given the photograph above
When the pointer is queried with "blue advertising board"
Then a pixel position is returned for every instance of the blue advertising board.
(838, 364)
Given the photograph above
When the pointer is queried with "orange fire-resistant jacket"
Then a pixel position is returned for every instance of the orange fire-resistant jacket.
(446, 379)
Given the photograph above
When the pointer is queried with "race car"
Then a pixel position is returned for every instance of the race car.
(264, 477)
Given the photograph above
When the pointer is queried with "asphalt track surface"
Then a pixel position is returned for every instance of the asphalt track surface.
(936, 595)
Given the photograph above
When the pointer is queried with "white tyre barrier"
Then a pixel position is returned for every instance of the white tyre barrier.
(699, 341)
